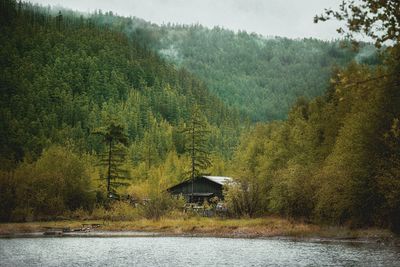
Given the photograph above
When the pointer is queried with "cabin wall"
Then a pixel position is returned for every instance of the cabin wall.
(200, 186)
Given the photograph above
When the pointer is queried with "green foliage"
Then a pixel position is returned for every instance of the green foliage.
(57, 182)
(63, 78)
(115, 139)
(379, 20)
(247, 197)
(338, 154)
(117, 211)
(292, 192)
(153, 200)
(7, 195)
(334, 160)
(196, 145)
(261, 77)
(159, 204)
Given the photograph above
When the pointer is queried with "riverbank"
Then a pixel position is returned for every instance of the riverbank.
(236, 228)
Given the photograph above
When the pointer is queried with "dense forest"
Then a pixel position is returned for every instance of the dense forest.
(64, 79)
(259, 76)
(336, 158)
(76, 89)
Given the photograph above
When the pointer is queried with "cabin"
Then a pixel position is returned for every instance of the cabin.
(204, 188)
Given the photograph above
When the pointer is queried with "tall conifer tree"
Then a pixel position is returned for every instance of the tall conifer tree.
(115, 138)
(196, 134)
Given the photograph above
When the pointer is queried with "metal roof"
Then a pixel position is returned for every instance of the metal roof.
(200, 194)
(219, 179)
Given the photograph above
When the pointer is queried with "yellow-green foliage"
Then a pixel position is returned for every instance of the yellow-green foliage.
(154, 201)
(336, 158)
(139, 191)
(292, 192)
(7, 194)
(160, 203)
(118, 211)
(168, 172)
(57, 182)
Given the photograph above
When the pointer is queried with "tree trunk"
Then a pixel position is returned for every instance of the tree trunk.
(192, 162)
(109, 169)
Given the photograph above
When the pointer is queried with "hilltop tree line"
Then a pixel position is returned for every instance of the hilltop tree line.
(260, 76)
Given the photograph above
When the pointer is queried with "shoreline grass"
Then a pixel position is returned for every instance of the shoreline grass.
(215, 227)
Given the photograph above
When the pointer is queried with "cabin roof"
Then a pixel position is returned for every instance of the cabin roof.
(219, 179)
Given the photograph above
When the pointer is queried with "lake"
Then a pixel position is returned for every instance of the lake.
(190, 251)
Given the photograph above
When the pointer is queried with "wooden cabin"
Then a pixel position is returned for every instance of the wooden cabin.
(204, 188)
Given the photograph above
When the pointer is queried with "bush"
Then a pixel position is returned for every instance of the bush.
(7, 195)
(78, 214)
(154, 202)
(159, 204)
(245, 198)
(23, 214)
(292, 192)
(123, 211)
(118, 211)
(57, 182)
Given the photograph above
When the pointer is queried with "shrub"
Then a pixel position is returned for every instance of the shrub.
(22, 214)
(117, 211)
(7, 195)
(57, 182)
(159, 204)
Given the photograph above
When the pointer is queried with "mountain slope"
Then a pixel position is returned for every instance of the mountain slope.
(262, 77)
(62, 76)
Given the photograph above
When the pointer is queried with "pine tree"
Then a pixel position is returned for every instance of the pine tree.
(115, 138)
(196, 134)
(149, 153)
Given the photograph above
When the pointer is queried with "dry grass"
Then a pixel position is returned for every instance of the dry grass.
(259, 227)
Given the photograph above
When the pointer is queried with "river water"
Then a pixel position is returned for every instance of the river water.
(190, 251)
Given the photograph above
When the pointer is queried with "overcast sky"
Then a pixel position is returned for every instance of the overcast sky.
(289, 18)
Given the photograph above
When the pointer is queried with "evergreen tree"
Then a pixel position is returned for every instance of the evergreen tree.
(196, 146)
(115, 140)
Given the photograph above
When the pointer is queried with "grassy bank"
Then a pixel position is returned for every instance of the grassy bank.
(260, 227)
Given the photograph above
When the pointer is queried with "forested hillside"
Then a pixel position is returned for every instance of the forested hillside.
(64, 78)
(260, 76)
(336, 158)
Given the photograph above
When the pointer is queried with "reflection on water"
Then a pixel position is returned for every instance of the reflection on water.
(189, 251)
